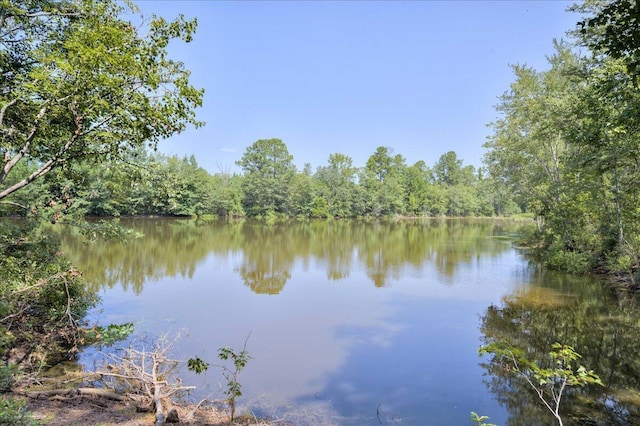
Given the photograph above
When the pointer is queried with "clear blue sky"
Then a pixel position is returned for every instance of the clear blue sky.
(420, 77)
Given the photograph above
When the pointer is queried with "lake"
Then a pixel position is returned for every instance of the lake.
(363, 322)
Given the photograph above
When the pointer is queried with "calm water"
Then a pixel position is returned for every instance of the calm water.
(361, 323)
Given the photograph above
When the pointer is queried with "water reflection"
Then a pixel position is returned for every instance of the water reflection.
(602, 325)
(268, 253)
(373, 322)
(366, 312)
(172, 248)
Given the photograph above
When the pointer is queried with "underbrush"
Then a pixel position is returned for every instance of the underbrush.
(43, 299)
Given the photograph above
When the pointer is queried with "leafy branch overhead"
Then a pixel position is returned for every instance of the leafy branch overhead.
(80, 81)
(612, 28)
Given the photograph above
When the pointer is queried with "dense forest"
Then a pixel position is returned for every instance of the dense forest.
(155, 184)
(80, 122)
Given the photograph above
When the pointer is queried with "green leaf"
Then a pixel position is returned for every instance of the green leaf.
(197, 365)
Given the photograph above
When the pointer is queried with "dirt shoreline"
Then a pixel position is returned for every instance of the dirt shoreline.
(84, 410)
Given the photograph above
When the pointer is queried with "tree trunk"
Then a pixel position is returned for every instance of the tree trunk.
(616, 192)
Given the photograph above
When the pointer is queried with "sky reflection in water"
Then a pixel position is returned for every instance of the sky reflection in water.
(331, 345)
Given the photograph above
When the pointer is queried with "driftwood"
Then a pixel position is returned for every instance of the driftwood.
(143, 375)
(157, 390)
(145, 372)
(103, 393)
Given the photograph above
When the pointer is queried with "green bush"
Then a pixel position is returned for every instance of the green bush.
(14, 413)
(43, 295)
(569, 261)
(8, 374)
(617, 262)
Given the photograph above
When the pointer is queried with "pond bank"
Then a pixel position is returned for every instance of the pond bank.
(83, 410)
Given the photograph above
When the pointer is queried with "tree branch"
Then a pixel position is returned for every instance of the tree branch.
(12, 162)
(11, 203)
(4, 110)
(39, 14)
(44, 168)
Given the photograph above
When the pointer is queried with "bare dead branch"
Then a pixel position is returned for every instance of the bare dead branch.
(145, 371)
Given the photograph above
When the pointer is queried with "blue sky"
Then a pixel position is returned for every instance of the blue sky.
(420, 77)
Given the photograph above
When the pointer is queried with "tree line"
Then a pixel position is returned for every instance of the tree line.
(148, 183)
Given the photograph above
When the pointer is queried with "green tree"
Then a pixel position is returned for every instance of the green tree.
(611, 28)
(79, 82)
(417, 179)
(187, 187)
(226, 197)
(239, 361)
(156, 184)
(320, 208)
(105, 190)
(437, 200)
(598, 323)
(448, 169)
(458, 184)
(567, 147)
(268, 174)
(530, 151)
(462, 200)
(550, 382)
(82, 82)
(529, 143)
(495, 197)
(607, 155)
(43, 299)
(382, 179)
(21, 202)
(303, 194)
(337, 185)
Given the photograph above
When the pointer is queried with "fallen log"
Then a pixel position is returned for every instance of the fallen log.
(103, 393)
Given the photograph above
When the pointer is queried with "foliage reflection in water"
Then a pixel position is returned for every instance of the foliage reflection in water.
(599, 323)
(174, 247)
(373, 320)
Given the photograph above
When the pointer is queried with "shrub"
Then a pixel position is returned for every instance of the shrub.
(13, 412)
(43, 298)
(568, 261)
(8, 374)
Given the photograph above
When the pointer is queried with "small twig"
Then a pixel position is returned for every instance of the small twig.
(378, 413)
(190, 415)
